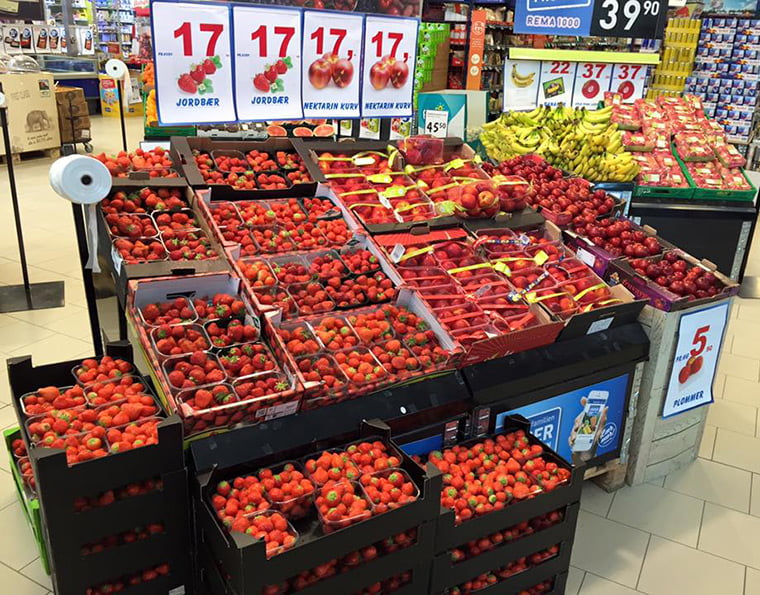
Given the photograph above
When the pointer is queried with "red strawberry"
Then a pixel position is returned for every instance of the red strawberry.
(271, 74)
(198, 74)
(281, 67)
(187, 84)
(208, 66)
(261, 83)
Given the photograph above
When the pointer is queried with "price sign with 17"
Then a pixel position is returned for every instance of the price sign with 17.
(193, 63)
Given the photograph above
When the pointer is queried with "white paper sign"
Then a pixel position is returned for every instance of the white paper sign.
(193, 63)
(436, 122)
(556, 84)
(332, 58)
(592, 80)
(390, 53)
(267, 47)
(628, 80)
(700, 335)
(521, 79)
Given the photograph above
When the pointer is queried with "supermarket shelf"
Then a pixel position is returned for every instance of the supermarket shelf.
(691, 204)
(583, 56)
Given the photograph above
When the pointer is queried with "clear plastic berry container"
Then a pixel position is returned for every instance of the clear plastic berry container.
(334, 518)
(267, 395)
(223, 213)
(173, 364)
(323, 369)
(181, 303)
(370, 329)
(299, 338)
(246, 360)
(221, 394)
(360, 367)
(229, 154)
(324, 264)
(189, 332)
(310, 298)
(396, 358)
(125, 247)
(255, 213)
(115, 390)
(179, 219)
(296, 500)
(335, 333)
(421, 150)
(330, 466)
(271, 517)
(278, 297)
(126, 222)
(379, 498)
(290, 269)
(39, 401)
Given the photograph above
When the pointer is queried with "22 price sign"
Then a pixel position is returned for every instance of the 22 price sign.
(267, 47)
(193, 63)
(629, 18)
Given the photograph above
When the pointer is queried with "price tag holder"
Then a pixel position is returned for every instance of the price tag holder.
(436, 123)
(193, 63)
(521, 78)
(628, 80)
(556, 83)
(267, 48)
(331, 66)
(629, 18)
(592, 81)
(390, 52)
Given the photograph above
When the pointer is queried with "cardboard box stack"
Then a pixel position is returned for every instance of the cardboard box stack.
(73, 114)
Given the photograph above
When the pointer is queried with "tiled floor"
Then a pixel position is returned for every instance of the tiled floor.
(692, 533)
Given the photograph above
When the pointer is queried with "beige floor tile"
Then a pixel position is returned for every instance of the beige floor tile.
(657, 481)
(17, 584)
(747, 311)
(595, 499)
(45, 317)
(7, 488)
(734, 416)
(708, 442)
(609, 549)
(36, 572)
(737, 450)
(719, 384)
(574, 580)
(745, 339)
(20, 334)
(55, 348)
(7, 418)
(17, 545)
(595, 585)
(742, 390)
(76, 325)
(739, 366)
(657, 510)
(731, 535)
(752, 582)
(713, 482)
(671, 568)
(754, 505)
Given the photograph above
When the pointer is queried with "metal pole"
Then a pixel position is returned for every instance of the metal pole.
(89, 286)
(14, 199)
(120, 88)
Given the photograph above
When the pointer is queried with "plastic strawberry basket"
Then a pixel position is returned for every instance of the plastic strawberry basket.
(243, 561)
(61, 486)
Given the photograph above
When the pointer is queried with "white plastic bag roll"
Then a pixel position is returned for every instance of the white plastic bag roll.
(117, 70)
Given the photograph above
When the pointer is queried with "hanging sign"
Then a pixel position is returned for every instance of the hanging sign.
(193, 63)
(592, 81)
(332, 58)
(521, 78)
(267, 49)
(390, 50)
(556, 83)
(628, 80)
(700, 335)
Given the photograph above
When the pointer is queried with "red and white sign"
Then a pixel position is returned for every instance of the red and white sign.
(390, 52)
(556, 84)
(267, 48)
(332, 59)
(592, 80)
(193, 63)
(628, 80)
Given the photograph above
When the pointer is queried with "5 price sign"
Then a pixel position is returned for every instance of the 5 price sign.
(193, 63)
(267, 47)
(629, 18)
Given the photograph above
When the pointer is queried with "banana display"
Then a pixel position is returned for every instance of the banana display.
(520, 80)
(583, 142)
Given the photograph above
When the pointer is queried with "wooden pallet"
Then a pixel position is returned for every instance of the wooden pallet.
(53, 153)
(609, 476)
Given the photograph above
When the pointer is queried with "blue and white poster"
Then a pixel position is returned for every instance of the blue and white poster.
(553, 17)
(579, 425)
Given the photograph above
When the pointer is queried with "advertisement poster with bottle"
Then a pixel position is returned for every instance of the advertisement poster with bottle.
(390, 51)
(700, 335)
(592, 81)
(267, 48)
(580, 425)
(332, 59)
(193, 63)
(521, 78)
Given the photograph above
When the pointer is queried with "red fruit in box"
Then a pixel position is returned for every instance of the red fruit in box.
(321, 368)
(175, 340)
(177, 311)
(360, 366)
(371, 328)
(131, 226)
(331, 467)
(248, 359)
(389, 489)
(111, 391)
(340, 505)
(211, 396)
(48, 398)
(278, 297)
(335, 333)
(262, 385)
(361, 261)
(271, 182)
(371, 456)
(141, 250)
(219, 306)
(106, 368)
(134, 435)
(336, 232)
(318, 207)
(256, 214)
(327, 265)
(234, 332)
(289, 491)
(291, 272)
(288, 211)
(310, 298)
(396, 358)
(260, 161)
(176, 220)
(257, 272)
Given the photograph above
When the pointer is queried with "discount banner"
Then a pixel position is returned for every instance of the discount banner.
(700, 335)
(193, 63)
(267, 44)
(332, 58)
(390, 50)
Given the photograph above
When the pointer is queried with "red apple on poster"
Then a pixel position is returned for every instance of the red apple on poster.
(399, 73)
(626, 89)
(590, 89)
(320, 72)
(379, 75)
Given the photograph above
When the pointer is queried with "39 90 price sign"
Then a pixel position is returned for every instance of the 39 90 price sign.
(629, 18)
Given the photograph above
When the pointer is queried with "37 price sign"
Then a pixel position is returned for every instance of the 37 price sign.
(628, 80)
(267, 47)
(390, 53)
(629, 18)
(592, 80)
(193, 63)
(700, 335)
(331, 64)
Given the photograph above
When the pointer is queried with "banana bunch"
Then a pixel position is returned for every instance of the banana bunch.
(521, 80)
(580, 141)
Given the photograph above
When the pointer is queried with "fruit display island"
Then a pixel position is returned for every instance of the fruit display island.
(353, 368)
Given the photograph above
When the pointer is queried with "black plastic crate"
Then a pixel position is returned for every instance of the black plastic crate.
(243, 559)
(555, 568)
(59, 486)
(447, 574)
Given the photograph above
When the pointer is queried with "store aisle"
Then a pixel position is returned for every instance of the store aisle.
(694, 532)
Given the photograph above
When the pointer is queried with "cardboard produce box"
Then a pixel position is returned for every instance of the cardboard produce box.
(32, 111)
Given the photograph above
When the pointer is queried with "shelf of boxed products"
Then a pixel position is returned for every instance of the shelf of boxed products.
(327, 534)
(681, 153)
(94, 439)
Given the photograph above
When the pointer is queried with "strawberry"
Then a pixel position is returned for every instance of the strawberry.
(208, 66)
(280, 67)
(261, 83)
(187, 84)
(198, 74)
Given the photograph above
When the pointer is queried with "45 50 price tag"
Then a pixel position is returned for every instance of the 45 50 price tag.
(629, 18)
